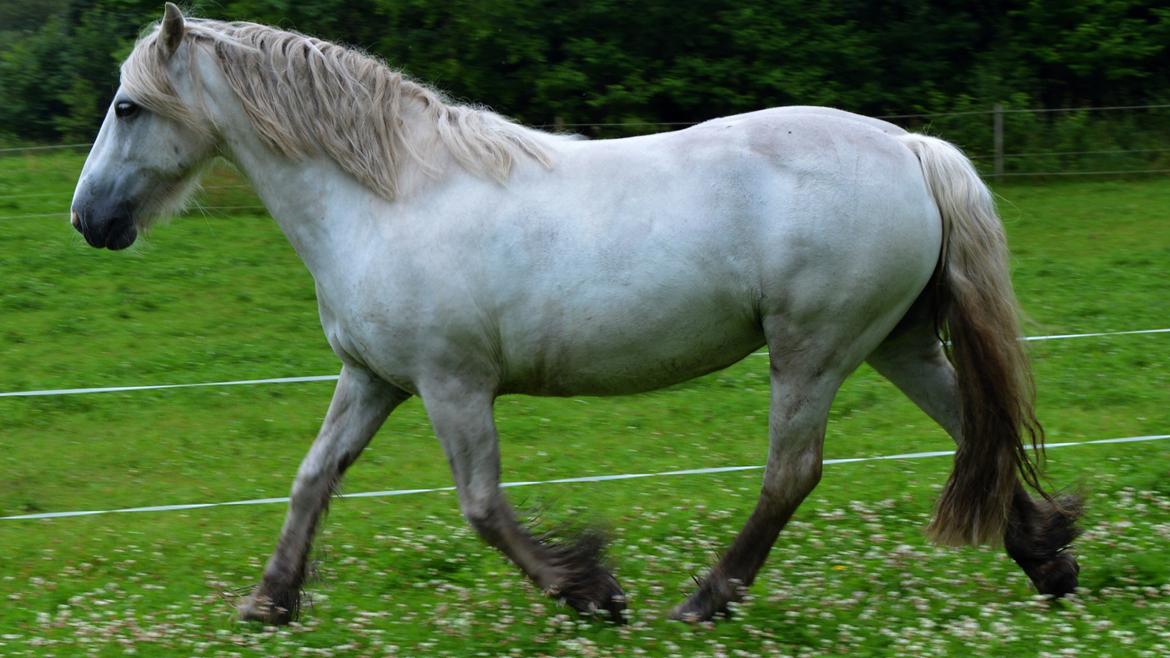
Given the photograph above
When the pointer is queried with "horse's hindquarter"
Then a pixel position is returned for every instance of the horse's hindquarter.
(635, 264)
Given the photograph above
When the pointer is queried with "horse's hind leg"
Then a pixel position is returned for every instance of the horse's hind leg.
(360, 404)
(1039, 531)
(572, 572)
(802, 393)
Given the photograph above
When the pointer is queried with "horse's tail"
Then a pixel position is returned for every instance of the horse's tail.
(977, 311)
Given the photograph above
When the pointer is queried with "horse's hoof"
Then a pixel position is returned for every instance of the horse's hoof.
(1057, 577)
(713, 598)
(259, 607)
(601, 596)
(687, 612)
(699, 609)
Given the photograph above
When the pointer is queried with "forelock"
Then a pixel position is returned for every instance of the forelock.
(146, 78)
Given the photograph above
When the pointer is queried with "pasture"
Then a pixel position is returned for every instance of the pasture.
(221, 296)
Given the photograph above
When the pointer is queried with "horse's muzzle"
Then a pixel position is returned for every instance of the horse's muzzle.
(112, 228)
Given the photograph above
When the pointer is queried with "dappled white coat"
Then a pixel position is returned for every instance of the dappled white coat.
(628, 265)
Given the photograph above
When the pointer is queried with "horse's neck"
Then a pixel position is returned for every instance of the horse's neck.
(316, 204)
(307, 199)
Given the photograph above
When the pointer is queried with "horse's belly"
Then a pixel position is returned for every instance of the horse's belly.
(628, 353)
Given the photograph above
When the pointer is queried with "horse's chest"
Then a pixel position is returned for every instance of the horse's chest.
(360, 333)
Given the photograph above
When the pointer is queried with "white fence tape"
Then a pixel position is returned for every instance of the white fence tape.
(570, 480)
(156, 387)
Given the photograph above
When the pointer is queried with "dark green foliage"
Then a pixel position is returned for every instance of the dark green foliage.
(59, 64)
(612, 62)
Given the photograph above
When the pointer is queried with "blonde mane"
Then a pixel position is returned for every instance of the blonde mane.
(305, 96)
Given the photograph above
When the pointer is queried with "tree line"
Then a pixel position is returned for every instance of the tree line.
(612, 62)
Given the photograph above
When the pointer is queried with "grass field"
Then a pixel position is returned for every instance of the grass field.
(222, 297)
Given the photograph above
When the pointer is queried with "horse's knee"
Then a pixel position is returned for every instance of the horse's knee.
(319, 478)
(311, 490)
(322, 468)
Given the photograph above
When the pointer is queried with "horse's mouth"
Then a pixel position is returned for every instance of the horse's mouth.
(114, 235)
(121, 238)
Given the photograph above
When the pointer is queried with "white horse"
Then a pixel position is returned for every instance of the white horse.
(459, 257)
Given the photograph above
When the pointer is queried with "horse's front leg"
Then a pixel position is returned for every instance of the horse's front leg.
(360, 404)
(568, 571)
(797, 419)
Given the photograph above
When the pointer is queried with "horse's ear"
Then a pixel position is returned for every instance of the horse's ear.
(170, 34)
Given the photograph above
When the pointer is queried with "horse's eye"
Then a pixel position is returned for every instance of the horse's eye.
(123, 109)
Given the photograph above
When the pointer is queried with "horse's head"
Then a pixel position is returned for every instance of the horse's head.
(147, 157)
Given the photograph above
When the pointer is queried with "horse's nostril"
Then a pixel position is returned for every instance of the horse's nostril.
(74, 218)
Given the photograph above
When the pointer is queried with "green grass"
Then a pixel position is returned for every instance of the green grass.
(222, 296)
